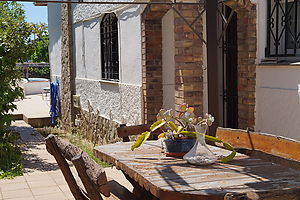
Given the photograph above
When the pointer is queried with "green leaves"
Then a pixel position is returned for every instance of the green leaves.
(172, 126)
(156, 125)
(189, 133)
(229, 157)
(213, 139)
(15, 35)
(141, 139)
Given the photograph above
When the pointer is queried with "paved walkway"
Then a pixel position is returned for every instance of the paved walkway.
(39, 110)
(42, 178)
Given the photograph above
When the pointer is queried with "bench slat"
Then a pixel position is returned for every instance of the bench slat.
(53, 149)
(267, 143)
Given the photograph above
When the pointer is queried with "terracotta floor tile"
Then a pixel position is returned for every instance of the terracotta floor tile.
(41, 183)
(17, 194)
(14, 186)
(22, 198)
(38, 177)
(69, 196)
(64, 188)
(57, 196)
(45, 190)
(18, 179)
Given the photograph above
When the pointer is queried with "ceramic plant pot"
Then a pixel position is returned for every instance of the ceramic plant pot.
(178, 147)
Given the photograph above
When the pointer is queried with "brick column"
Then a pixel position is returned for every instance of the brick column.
(67, 76)
(152, 60)
(188, 60)
(247, 47)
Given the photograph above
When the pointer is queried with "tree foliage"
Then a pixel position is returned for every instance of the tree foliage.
(19, 42)
(39, 43)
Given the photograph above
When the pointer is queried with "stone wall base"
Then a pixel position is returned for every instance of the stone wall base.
(95, 128)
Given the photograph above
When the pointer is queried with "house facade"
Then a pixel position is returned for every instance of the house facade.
(119, 64)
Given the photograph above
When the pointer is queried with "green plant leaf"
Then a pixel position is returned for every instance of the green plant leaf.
(156, 125)
(228, 146)
(188, 133)
(172, 126)
(179, 129)
(141, 139)
(229, 157)
(213, 139)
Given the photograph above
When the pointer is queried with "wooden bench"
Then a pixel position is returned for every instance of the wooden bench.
(126, 131)
(91, 174)
(269, 147)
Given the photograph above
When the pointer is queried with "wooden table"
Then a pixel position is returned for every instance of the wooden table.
(170, 178)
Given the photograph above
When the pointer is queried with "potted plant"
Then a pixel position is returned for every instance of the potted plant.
(180, 131)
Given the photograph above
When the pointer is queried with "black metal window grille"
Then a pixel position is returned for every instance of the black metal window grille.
(283, 28)
(109, 47)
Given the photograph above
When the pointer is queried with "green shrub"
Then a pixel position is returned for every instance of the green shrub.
(39, 72)
(10, 156)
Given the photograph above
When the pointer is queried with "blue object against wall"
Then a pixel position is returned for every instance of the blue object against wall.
(54, 109)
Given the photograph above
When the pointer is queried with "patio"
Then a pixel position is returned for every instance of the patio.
(34, 110)
(42, 178)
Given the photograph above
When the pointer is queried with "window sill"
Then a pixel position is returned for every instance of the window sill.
(280, 62)
(109, 82)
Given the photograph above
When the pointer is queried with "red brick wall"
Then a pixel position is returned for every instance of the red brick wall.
(247, 46)
(152, 60)
(188, 60)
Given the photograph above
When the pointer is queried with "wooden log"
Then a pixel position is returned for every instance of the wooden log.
(89, 185)
(94, 171)
(53, 149)
(97, 174)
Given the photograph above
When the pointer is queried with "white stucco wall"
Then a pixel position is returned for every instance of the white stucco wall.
(92, 48)
(278, 100)
(261, 29)
(168, 60)
(54, 28)
(120, 101)
(130, 45)
(83, 12)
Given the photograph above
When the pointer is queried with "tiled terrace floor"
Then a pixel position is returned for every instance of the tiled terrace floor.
(42, 178)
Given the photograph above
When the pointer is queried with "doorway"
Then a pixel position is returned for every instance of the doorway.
(230, 73)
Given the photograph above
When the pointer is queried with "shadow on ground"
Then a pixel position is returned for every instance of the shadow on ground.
(34, 153)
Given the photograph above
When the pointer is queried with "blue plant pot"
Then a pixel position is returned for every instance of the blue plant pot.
(178, 147)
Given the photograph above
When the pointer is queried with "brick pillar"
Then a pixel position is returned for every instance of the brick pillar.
(188, 60)
(152, 60)
(67, 76)
(247, 46)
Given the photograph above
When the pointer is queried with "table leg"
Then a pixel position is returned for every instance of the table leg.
(138, 191)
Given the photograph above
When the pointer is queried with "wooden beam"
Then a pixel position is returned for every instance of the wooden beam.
(212, 62)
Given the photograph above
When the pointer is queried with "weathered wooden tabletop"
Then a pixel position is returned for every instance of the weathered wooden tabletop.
(171, 178)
